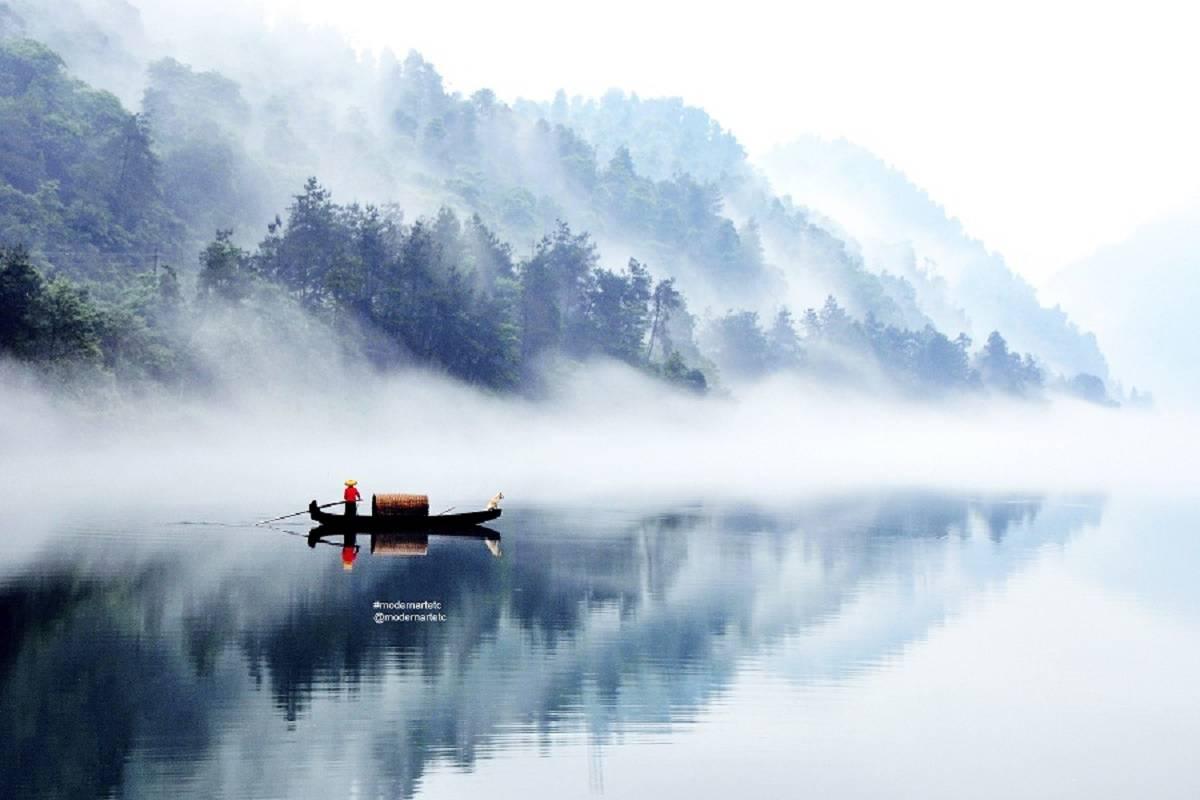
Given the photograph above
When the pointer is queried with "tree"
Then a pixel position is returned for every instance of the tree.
(555, 285)
(1007, 371)
(1091, 388)
(78, 178)
(666, 300)
(225, 269)
(199, 124)
(44, 322)
(490, 259)
(22, 296)
(618, 312)
(783, 344)
(939, 362)
(312, 245)
(577, 159)
(676, 371)
(738, 345)
(374, 236)
(405, 304)
(839, 328)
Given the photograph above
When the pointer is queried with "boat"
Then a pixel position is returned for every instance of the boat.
(439, 523)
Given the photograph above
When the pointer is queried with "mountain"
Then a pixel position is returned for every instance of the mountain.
(587, 203)
(899, 228)
(1140, 297)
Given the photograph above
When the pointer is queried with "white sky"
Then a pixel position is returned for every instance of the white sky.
(1048, 128)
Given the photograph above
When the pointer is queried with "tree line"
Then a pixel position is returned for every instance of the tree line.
(832, 345)
(450, 294)
(92, 210)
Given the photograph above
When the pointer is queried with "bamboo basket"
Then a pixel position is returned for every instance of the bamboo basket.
(400, 505)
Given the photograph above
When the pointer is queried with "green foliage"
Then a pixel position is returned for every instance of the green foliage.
(447, 294)
(199, 121)
(49, 322)
(922, 360)
(665, 302)
(799, 240)
(311, 257)
(1007, 371)
(96, 194)
(618, 312)
(521, 171)
(1091, 388)
(681, 216)
(835, 345)
(78, 180)
(555, 286)
(663, 135)
(783, 343)
(739, 346)
(225, 269)
(133, 333)
(676, 371)
(141, 335)
(436, 292)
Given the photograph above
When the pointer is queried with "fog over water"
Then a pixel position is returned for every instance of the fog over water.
(614, 652)
(603, 432)
(901, 564)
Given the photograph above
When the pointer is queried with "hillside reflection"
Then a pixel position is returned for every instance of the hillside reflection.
(254, 665)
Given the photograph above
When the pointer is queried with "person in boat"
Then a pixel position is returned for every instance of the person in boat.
(351, 496)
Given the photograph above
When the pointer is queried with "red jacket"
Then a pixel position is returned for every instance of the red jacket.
(351, 495)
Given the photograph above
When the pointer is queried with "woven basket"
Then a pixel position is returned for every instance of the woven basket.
(400, 505)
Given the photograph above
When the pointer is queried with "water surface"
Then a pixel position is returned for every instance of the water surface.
(895, 644)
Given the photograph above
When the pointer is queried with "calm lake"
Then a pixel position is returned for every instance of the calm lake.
(870, 645)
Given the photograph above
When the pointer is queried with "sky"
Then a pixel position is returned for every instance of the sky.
(1050, 129)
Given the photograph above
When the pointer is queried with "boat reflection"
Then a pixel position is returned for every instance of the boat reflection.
(397, 544)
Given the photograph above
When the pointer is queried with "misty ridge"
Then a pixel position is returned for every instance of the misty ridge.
(243, 242)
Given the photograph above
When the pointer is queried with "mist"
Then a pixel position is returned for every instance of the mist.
(604, 435)
(299, 101)
(896, 227)
(1139, 313)
(786, 455)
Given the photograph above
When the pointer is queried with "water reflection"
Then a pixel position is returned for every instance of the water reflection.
(396, 544)
(245, 666)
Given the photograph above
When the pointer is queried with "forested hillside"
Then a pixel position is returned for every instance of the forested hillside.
(900, 229)
(454, 232)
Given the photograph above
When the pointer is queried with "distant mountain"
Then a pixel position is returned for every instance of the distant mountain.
(1140, 297)
(900, 229)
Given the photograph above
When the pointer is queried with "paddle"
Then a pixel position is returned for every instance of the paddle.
(298, 513)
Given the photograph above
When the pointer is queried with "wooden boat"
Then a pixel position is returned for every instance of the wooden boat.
(441, 523)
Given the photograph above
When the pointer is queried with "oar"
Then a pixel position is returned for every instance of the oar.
(451, 508)
(298, 513)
